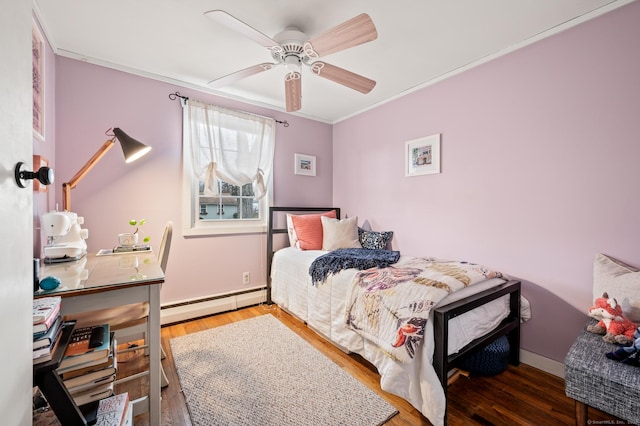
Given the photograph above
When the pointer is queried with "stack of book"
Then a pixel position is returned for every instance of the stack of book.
(116, 410)
(128, 249)
(89, 366)
(47, 325)
(124, 249)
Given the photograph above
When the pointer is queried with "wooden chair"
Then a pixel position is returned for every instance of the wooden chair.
(129, 322)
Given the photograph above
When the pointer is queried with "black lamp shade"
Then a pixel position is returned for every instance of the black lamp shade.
(131, 148)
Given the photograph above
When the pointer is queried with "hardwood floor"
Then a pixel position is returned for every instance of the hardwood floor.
(519, 396)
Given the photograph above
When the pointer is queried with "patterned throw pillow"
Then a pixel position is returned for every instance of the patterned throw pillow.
(374, 240)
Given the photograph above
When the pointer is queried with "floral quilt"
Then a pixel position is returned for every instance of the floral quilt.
(390, 306)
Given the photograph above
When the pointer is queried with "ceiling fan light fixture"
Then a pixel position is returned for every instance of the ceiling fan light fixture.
(293, 64)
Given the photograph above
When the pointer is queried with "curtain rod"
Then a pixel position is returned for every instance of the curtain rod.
(176, 95)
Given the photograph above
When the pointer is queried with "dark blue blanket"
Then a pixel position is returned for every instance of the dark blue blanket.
(358, 258)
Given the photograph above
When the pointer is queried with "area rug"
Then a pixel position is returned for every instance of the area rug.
(259, 372)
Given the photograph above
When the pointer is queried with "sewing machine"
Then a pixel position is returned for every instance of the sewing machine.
(65, 238)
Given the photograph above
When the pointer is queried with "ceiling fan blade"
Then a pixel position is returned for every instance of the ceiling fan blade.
(293, 91)
(355, 31)
(341, 76)
(233, 23)
(239, 75)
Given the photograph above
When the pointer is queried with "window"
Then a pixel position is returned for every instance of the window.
(228, 157)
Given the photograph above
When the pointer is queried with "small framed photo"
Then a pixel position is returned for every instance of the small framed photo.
(422, 156)
(37, 55)
(39, 161)
(305, 165)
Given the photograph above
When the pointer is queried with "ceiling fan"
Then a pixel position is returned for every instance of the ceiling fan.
(292, 48)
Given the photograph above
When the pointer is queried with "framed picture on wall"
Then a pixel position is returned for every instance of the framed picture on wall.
(305, 165)
(422, 156)
(39, 161)
(37, 54)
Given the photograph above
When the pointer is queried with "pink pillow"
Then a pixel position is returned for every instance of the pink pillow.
(305, 231)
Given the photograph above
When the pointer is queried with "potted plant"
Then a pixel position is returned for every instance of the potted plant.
(129, 239)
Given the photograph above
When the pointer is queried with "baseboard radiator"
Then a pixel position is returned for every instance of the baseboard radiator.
(210, 305)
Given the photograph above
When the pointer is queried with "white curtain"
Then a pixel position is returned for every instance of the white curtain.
(234, 146)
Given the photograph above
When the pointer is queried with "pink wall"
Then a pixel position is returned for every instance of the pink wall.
(540, 171)
(90, 99)
(45, 148)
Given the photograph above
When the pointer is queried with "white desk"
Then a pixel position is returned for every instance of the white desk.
(98, 282)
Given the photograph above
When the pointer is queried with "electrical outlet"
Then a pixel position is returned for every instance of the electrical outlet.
(246, 278)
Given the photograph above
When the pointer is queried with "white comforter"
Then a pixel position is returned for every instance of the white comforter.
(323, 308)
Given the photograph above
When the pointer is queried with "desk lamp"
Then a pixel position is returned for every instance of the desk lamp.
(131, 148)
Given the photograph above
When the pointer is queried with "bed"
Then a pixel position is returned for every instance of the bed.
(459, 324)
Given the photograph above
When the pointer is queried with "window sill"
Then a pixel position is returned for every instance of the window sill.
(219, 229)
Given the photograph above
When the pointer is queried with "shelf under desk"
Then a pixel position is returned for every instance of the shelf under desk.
(51, 386)
(98, 282)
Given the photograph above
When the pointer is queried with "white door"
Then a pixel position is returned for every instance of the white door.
(16, 215)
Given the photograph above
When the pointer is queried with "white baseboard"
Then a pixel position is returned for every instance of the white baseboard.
(210, 305)
(542, 363)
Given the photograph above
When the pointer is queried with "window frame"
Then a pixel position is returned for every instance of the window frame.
(193, 226)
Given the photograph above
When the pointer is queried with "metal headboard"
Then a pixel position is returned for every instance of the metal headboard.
(272, 231)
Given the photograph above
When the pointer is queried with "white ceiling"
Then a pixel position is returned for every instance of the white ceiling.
(419, 41)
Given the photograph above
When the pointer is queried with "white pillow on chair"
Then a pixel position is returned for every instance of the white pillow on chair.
(620, 281)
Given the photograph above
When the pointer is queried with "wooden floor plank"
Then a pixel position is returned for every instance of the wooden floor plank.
(519, 396)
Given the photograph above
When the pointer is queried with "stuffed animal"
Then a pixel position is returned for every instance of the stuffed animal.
(612, 323)
(628, 354)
